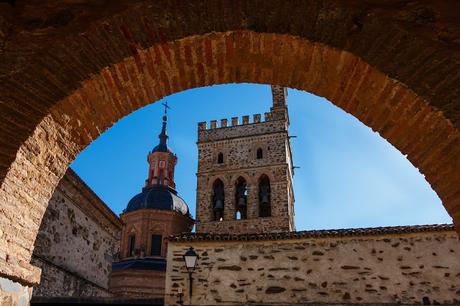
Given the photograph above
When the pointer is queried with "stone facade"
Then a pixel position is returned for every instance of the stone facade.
(246, 153)
(78, 237)
(13, 293)
(401, 265)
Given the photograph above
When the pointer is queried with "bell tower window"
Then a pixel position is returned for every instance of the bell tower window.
(241, 199)
(260, 153)
(220, 158)
(264, 197)
(218, 197)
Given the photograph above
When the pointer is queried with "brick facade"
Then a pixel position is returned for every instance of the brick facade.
(145, 283)
(150, 216)
(246, 152)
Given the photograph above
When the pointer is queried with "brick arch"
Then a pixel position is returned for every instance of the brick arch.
(136, 57)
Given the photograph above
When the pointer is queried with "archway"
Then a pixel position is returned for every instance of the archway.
(79, 86)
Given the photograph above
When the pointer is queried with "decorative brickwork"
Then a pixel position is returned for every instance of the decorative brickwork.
(69, 71)
(253, 162)
(138, 272)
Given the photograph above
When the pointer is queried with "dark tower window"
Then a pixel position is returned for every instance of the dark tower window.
(260, 153)
(264, 197)
(132, 245)
(218, 197)
(155, 249)
(241, 199)
(220, 158)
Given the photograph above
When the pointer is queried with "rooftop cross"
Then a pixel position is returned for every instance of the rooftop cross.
(165, 104)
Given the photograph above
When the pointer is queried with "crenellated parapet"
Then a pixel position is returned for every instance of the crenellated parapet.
(235, 121)
(239, 127)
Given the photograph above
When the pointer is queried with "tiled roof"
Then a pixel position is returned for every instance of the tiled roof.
(347, 232)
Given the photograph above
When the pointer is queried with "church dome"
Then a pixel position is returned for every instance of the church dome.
(162, 147)
(158, 197)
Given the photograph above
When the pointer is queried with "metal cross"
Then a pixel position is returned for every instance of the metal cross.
(165, 104)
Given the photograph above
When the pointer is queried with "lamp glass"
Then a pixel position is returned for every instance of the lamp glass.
(190, 258)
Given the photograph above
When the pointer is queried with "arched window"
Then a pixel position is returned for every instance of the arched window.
(241, 199)
(238, 215)
(218, 200)
(131, 245)
(260, 153)
(220, 158)
(264, 197)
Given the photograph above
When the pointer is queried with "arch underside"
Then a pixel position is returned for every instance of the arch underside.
(84, 84)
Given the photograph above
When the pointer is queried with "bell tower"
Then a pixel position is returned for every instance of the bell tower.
(161, 160)
(245, 173)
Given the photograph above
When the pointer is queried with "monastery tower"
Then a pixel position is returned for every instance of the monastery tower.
(245, 173)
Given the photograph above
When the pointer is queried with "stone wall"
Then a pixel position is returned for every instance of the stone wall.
(76, 242)
(382, 265)
(57, 281)
(12, 293)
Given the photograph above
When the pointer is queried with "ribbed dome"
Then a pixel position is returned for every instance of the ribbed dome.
(162, 147)
(158, 197)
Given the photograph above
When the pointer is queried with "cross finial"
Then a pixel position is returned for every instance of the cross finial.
(165, 104)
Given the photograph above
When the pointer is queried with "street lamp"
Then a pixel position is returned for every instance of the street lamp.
(191, 259)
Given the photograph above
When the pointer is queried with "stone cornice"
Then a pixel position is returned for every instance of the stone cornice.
(94, 204)
(333, 233)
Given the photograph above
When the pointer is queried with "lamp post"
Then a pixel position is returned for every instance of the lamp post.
(191, 259)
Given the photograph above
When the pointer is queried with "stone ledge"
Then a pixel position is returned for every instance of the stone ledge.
(348, 232)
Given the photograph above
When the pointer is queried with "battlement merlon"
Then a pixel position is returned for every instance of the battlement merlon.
(279, 109)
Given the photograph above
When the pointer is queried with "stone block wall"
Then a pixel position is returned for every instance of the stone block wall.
(239, 143)
(402, 265)
(13, 293)
(57, 281)
(78, 237)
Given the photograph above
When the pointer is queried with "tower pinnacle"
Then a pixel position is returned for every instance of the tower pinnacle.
(163, 135)
(161, 159)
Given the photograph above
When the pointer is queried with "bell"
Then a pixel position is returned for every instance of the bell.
(265, 199)
(241, 201)
(219, 204)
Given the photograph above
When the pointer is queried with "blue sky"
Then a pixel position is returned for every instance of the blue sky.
(349, 176)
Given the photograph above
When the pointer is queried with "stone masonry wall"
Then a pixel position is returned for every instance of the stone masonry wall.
(57, 281)
(239, 143)
(12, 293)
(76, 242)
(367, 268)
